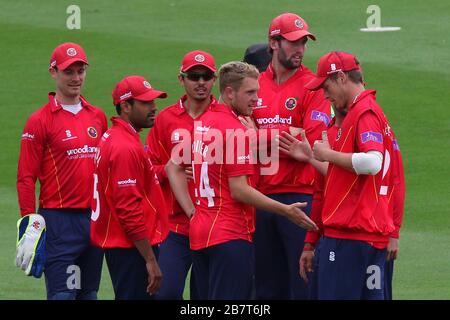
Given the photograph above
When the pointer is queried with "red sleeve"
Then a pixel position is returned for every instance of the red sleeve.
(316, 115)
(369, 133)
(104, 122)
(126, 173)
(399, 192)
(31, 154)
(158, 154)
(316, 209)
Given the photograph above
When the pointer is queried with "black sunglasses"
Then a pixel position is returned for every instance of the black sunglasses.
(193, 76)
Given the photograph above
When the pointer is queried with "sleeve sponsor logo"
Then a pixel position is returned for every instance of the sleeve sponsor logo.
(371, 136)
(105, 136)
(320, 116)
(27, 136)
(127, 183)
(395, 145)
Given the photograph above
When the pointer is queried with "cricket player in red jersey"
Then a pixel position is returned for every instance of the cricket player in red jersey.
(309, 262)
(285, 105)
(222, 226)
(302, 151)
(129, 214)
(197, 76)
(58, 146)
(364, 191)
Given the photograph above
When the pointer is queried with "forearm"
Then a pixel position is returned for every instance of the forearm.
(341, 159)
(26, 195)
(244, 193)
(322, 167)
(145, 249)
(179, 185)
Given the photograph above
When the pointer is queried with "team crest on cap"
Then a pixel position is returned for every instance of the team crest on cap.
(71, 52)
(290, 103)
(299, 23)
(199, 58)
(92, 132)
(147, 84)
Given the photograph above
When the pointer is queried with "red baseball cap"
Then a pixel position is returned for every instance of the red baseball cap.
(135, 87)
(331, 63)
(290, 26)
(67, 53)
(198, 58)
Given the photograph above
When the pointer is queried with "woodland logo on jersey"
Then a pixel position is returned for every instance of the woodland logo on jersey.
(229, 146)
(128, 182)
(83, 152)
(274, 120)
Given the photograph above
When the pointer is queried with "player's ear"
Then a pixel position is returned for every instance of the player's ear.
(125, 107)
(273, 43)
(342, 77)
(228, 93)
(52, 72)
(181, 79)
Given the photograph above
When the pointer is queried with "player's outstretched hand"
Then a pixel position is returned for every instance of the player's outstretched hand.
(306, 264)
(299, 150)
(154, 277)
(295, 213)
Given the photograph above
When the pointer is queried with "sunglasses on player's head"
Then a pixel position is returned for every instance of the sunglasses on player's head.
(195, 76)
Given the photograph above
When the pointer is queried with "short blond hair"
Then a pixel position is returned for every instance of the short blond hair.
(232, 74)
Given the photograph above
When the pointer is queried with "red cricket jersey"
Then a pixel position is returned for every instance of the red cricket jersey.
(128, 204)
(360, 207)
(169, 130)
(219, 218)
(58, 148)
(317, 202)
(285, 105)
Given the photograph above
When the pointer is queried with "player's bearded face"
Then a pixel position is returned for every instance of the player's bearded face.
(70, 80)
(200, 88)
(142, 114)
(290, 53)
